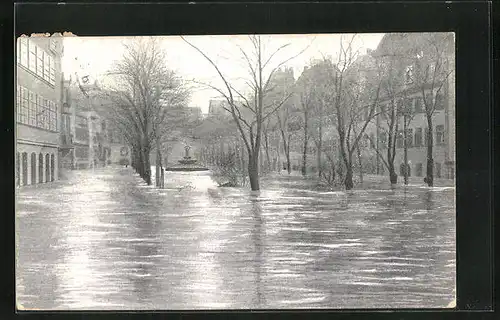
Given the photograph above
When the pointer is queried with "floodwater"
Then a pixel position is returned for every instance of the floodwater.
(104, 240)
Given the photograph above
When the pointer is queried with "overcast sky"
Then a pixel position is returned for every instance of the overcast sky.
(94, 56)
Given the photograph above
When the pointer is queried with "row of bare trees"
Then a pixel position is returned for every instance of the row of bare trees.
(335, 103)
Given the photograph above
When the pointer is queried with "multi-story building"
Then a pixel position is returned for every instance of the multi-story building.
(94, 143)
(419, 73)
(38, 109)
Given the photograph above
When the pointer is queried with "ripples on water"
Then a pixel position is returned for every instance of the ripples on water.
(111, 242)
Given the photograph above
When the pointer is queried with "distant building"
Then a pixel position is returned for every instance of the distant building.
(216, 106)
(88, 136)
(38, 109)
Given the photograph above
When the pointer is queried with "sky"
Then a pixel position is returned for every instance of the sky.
(94, 56)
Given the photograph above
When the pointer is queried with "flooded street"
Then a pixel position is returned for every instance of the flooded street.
(104, 240)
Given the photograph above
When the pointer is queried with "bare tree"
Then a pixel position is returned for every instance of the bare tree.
(144, 89)
(313, 89)
(356, 90)
(253, 100)
(388, 120)
(432, 70)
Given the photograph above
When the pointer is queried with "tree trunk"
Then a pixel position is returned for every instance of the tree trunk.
(146, 164)
(268, 157)
(405, 150)
(280, 165)
(304, 155)
(140, 162)
(320, 146)
(393, 177)
(348, 179)
(253, 171)
(288, 161)
(360, 163)
(430, 160)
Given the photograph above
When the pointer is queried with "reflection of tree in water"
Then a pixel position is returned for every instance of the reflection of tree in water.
(256, 211)
(144, 278)
(429, 204)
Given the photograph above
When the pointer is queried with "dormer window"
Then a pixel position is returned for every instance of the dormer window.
(53, 45)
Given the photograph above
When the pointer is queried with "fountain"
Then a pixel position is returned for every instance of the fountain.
(187, 163)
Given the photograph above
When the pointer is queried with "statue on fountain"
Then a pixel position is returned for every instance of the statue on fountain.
(187, 158)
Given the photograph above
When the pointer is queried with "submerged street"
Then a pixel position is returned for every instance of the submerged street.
(102, 239)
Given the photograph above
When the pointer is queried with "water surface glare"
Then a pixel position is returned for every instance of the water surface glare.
(104, 240)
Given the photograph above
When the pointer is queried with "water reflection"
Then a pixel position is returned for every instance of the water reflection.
(115, 243)
(256, 213)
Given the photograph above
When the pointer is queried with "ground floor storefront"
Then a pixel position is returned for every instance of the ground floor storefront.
(36, 163)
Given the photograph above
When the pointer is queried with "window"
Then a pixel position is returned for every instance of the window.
(46, 67)
(52, 44)
(18, 169)
(419, 168)
(437, 167)
(24, 106)
(24, 52)
(33, 167)
(429, 100)
(426, 139)
(418, 105)
(399, 106)
(383, 139)
(52, 78)
(25, 168)
(40, 168)
(399, 139)
(18, 103)
(439, 101)
(409, 75)
(432, 70)
(39, 111)
(39, 62)
(36, 60)
(52, 167)
(32, 57)
(408, 106)
(440, 134)
(32, 109)
(18, 49)
(409, 138)
(47, 168)
(52, 116)
(418, 137)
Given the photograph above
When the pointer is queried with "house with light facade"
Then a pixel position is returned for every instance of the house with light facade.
(38, 109)
(422, 78)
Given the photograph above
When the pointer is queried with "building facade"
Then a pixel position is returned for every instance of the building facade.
(88, 138)
(38, 110)
(426, 85)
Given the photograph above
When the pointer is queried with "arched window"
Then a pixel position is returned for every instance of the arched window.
(40, 168)
(18, 169)
(33, 168)
(47, 167)
(52, 167)
(25, 168)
